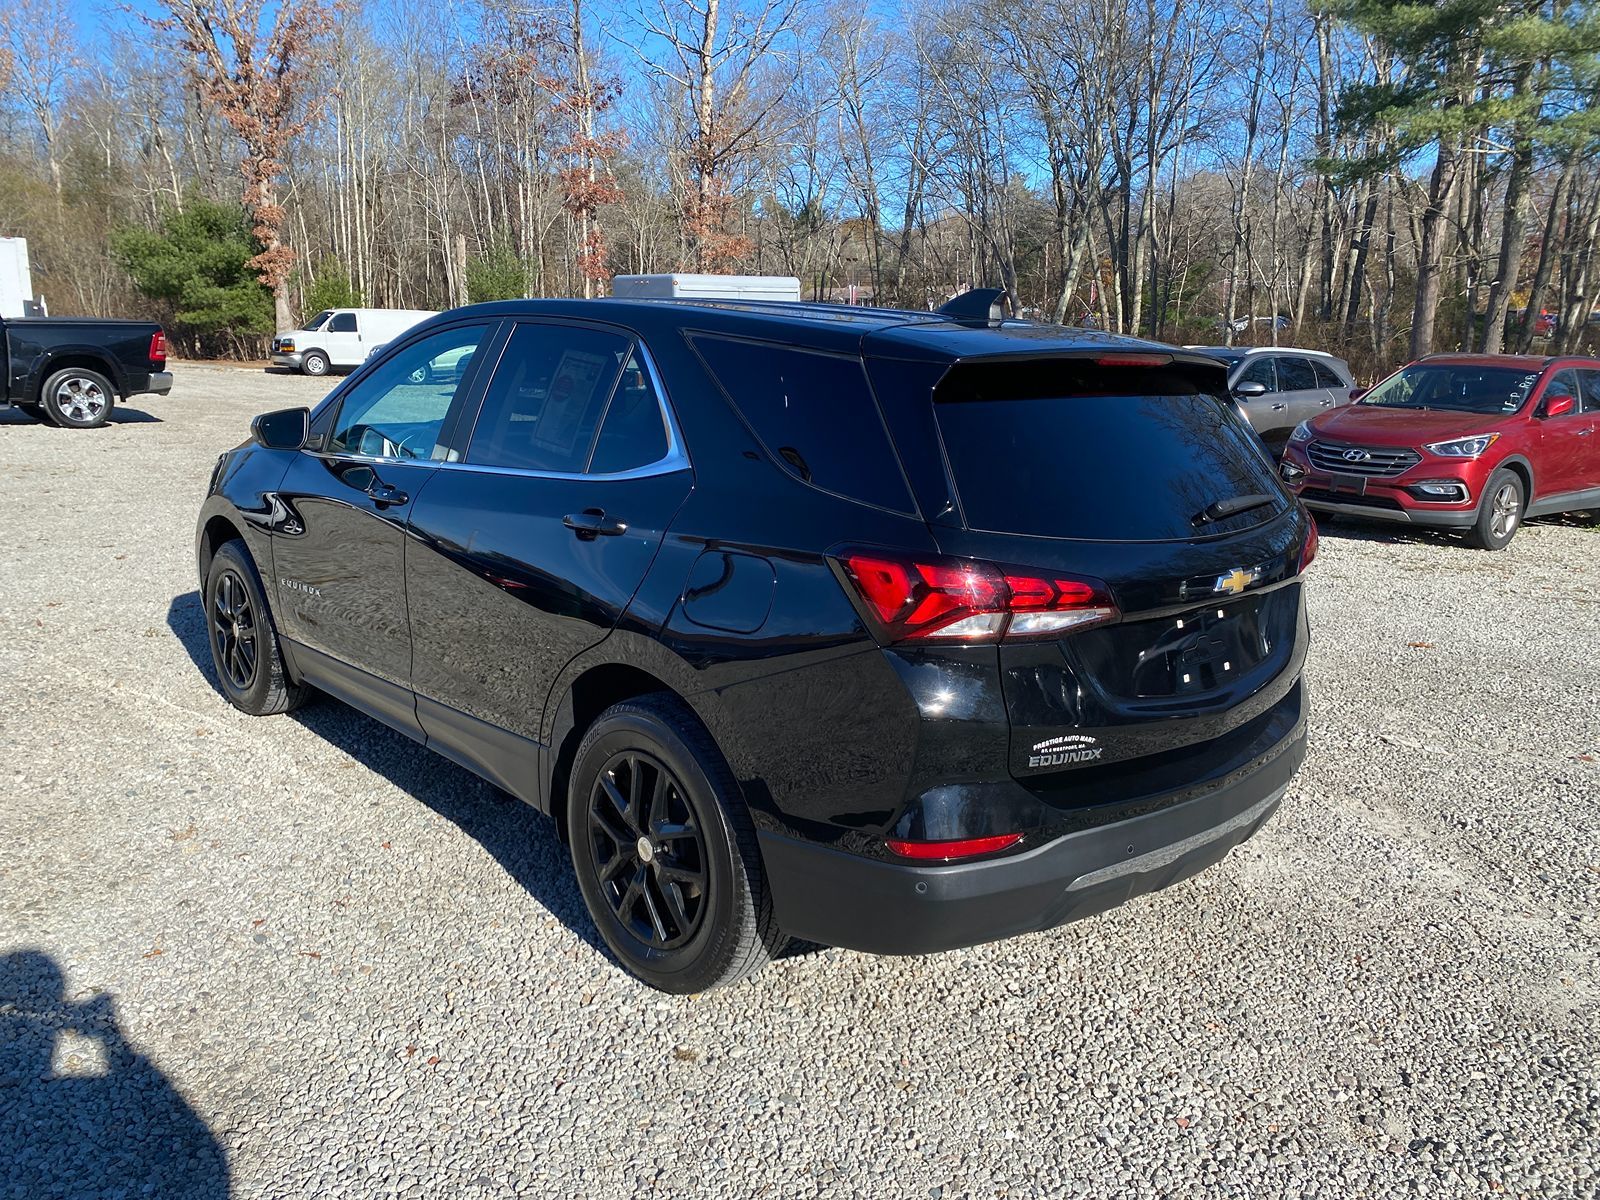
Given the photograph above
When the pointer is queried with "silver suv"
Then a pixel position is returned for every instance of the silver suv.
(1277, 387)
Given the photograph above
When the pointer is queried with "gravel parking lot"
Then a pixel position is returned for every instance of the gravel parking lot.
(300, 956)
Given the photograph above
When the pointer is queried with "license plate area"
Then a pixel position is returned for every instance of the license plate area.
(1351, 485)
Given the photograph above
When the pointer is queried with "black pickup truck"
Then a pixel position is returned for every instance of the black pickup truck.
(74, 369)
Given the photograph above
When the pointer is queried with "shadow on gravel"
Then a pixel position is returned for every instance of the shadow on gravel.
(120, 415)
(522, 841)
(82, 1113)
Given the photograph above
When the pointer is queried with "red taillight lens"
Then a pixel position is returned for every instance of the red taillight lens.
(1308, 552)
(966, 600)
(947, 851)
(158, 348)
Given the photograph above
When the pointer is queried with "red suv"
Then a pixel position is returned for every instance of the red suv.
(1474, 442)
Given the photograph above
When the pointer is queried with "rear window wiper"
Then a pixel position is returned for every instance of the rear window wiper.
(1231, 507)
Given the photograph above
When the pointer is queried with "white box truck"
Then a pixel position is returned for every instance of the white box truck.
(16, 282)
(681, 286)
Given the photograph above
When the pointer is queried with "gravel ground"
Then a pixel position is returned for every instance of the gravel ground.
(301, 956)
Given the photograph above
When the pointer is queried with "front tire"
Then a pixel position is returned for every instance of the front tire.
(244, 640)
(315, 362)
(664, 850)
(77, 398)
(1499, 512)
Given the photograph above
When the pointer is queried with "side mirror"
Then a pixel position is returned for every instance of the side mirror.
(1559, 405)
(285, 429)
(1249, 390)
(1357, 392)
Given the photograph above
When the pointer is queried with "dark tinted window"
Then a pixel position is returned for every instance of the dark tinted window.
(815, 413)
(633, 433)
(342, 323)
(1296, 375)
(546, 398)
(397, 410)
(1565, 383)
(1591, 390)
(1259, 370)
(1072, 450)
(1326, 376)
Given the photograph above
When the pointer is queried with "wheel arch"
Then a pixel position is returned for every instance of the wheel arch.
(217, 530)
(588, 695)
(1523, 469)
(64, 360)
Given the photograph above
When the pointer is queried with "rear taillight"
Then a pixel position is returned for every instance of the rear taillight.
(158, 349)
(950, 851)
(926, 598)
(1308, 552)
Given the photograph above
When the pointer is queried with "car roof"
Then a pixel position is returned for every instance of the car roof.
(892, 333)
(1527, 362)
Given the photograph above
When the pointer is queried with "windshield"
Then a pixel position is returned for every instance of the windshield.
(315, 323)
(1069, 449)
(1459, 387)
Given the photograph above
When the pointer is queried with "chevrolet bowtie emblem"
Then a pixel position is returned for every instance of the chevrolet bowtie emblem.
(1234, 582)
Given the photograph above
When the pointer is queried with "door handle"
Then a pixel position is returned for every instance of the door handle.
(1279, 407)
(1586, 432)
(1328, 403)
(593, 522)
(385, 494)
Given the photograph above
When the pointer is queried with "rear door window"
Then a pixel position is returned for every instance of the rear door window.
(549, 391)
(1326, 376)
(815, 414)
(1068, 449)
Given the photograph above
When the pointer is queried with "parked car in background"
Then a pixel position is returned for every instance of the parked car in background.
(1277, 387)
(341, 338)
(73, 370)
(782, 612)
(1471, 442)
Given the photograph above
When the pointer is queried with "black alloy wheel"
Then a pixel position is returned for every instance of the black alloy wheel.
(233, 624)
(649, 856)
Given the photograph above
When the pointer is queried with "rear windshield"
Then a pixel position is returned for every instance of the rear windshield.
(1069, 449)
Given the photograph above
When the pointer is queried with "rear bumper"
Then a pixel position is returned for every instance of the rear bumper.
(160, 383)
(842, 899)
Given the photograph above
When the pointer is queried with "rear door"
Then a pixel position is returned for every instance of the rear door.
(530, 543)
(1334, 387)
(1140, 479)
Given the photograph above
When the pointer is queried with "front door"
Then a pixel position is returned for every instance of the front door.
(1566, 442)
(1269, 413)
(339, 558)
(527, 550)
(341, 338)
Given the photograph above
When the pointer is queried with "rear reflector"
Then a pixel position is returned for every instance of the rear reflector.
(946, 851)
(967, 600)
(1308, 552)
(158, 349)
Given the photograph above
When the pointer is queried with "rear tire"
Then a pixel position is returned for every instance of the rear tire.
(315, 362)
(1499, 512)
(664, 850)
(78, 398)
(244, 640)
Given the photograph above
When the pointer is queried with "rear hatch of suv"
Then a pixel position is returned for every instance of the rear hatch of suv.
(1145, 548)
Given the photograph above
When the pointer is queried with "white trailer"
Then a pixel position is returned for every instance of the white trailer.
(681, 286)
(16, 282)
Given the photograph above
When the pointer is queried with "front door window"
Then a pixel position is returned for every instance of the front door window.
(398, 410)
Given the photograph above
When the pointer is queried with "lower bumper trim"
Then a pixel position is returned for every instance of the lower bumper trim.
(1414, 516)
(839, 899)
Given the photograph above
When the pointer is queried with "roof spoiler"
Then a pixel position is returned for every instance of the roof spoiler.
(978, 304)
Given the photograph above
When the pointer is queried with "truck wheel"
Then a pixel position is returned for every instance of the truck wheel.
(77, 398)
(1499, 512)
(315, 362)
(664, 850)
(244, 640)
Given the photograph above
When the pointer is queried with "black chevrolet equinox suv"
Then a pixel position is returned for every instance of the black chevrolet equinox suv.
(887, 630)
